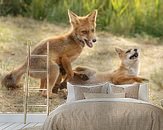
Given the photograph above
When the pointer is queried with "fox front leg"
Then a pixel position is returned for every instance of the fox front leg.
(129, 80)
(139, 79)
(67, 66)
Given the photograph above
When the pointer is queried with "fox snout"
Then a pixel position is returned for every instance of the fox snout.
(133, 54)
(89, 42)
(94, 40)
(135, 49)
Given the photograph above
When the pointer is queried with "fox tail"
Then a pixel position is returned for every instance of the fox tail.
(12, 79)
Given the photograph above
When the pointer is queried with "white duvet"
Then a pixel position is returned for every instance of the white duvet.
(105, 114)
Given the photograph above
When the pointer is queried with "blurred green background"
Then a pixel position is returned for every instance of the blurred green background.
(124, 17)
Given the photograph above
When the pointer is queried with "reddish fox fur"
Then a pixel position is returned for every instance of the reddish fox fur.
(127, 72)
(63, 50)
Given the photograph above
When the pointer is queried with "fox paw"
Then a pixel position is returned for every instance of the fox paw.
(83, 77)
(63, 85)
(44, 94)
(145, 80)
(55, 88)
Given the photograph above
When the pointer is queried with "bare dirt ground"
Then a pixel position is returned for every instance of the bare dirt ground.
(15, 32)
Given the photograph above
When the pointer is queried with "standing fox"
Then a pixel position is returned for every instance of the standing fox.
(63, 50)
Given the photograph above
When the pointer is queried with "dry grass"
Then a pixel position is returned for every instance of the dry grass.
(14, 32)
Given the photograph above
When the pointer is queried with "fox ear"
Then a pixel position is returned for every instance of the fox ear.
(73, 18)
(119, 51)
(92, 16)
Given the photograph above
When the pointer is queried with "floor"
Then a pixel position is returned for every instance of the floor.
(17, 126)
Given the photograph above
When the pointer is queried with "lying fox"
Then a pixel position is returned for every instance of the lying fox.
(127, 73)
(63, 50)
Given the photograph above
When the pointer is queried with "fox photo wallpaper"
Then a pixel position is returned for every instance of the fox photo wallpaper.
(45, 45)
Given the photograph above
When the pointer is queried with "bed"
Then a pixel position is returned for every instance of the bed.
(89, 108)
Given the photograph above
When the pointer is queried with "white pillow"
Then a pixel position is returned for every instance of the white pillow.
(143, 93)
(71, 91)
(71, 95)
(103, 95)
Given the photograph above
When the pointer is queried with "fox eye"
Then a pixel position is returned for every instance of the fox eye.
(84, 32)
(128, 51)
(92, 30)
